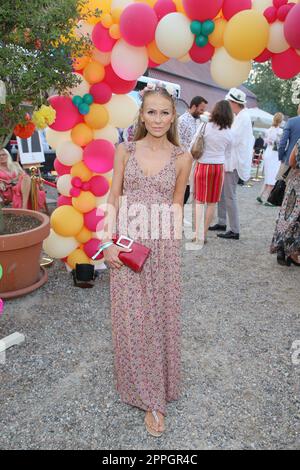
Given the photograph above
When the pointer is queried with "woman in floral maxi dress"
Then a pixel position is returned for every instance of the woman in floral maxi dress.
(151, 172)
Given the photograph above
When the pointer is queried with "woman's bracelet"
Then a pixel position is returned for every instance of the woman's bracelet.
(102, 247)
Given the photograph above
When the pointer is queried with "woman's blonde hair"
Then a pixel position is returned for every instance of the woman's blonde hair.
(11, 165)
(140, 129)
(277, 119)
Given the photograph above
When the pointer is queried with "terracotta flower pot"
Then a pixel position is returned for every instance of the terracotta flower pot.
(20, 257)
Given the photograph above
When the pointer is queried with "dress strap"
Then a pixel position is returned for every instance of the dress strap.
(130, 147)
(177, 151)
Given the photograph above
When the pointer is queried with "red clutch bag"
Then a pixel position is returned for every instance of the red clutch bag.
(135, 259)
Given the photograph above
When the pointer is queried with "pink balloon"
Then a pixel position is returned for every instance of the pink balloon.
(99, 185)
(94, 220)
(116, 83)
(138, 23)
(284, 10)
(76, 182)
(202, 10)
(67, 115)
(101, 93)
(99, 156)
(264, 56)
(201, 54)
(75, 192)
(86, 186)
(286, 64)
(279, 3)
(91, 247)
(271, 14)
(164, 7)
(61, 169)
(292, 27)
(232, 7)
(64, 201)
(102, 39)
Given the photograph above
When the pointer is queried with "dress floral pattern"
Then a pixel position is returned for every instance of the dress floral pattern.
(146, 306)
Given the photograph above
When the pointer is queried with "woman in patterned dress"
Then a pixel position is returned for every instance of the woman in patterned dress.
(286, 239)
(149, 173)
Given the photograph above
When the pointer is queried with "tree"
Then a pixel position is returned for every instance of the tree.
(273, 94)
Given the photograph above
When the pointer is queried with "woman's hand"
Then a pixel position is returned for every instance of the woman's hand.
(111, 256)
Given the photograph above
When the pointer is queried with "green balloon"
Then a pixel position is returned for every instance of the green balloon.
(196, 27)
(77, 100)
(84, 108)
(88, 99)
(1, 272)
(201, 41)
(208, 27)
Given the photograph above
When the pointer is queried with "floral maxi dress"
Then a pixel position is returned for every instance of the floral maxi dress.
(146, 306)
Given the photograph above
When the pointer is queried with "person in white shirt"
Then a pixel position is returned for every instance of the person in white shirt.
(209, 171)
(188, 124)
(238, 165)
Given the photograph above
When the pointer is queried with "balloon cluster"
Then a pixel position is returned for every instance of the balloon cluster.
(128, 37)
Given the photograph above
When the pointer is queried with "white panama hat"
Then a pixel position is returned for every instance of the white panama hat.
(236, 95)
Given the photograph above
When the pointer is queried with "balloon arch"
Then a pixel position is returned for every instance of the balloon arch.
(127, 38)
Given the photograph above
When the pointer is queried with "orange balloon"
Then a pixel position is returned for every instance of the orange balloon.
(116, 14)
(98, 116)
(155, 54)
(94, 72)
(66, 221)
(80, 62)
(84, 235)
(179, 6)
(106, 20)
(77, 256)
(82, 135)
(216, 38)
(114, 31)
(81, 170)
(85, 202)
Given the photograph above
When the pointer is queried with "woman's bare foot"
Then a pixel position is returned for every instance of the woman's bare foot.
(157, 425)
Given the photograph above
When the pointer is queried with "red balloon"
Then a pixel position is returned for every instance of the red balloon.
(91, 247)
(76, 182)
(67, 115)
(61, 169)
(75, 192)
(284, 10)
(138, 23)
(102, 39)
(286, 64)
(101, 93)
(202, 10)
(116, 83)
(94, 220)
(279, 3)
(99, 185)
(201, 54)
(164, 7)
(292, 27)
(64, 201)
(98, 155)
(232, 7)
(264, 56)
(271, 14)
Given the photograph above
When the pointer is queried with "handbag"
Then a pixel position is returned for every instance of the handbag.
(134, 259)
(277, 194)
(197, 149)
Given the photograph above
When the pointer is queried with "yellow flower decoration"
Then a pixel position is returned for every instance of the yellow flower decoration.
(44, 117)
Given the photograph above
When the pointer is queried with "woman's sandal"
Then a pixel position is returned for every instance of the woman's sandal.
(150, 429)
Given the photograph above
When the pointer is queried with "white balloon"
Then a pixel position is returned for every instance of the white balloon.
(107, 133)
(261, 5)
(64, 185)
(57, 246)
(54, 138)
(123, 110)
(227, 71)
(277, 42)
(81, 89)
(102, 57)
(173, 35)
(69, 153)
(120, 3)
(129, 62)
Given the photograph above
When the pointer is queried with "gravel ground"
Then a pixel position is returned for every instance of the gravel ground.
(240, 388)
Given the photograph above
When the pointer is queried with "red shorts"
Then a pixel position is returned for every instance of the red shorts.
(208, 182)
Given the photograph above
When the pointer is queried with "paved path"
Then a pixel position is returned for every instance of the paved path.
(240, 389)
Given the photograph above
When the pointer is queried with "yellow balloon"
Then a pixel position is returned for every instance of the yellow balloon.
(85, 202)
(179, 6)
(115, 32)
(83, 236)
(228, 72)
(246, 35)
(78, 257)
(81, 134)
(116, 14)
(81, 170)
(66, 221)
(216, 39)
(107, 20)
(98, 117)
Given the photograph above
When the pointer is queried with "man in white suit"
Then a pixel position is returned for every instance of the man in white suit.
(238, 165)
